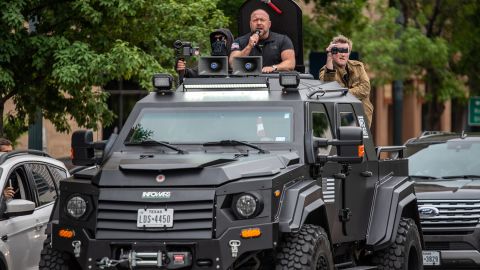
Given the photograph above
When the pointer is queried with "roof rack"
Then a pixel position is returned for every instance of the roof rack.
(435, 132)
(322, 92)
(15, 153)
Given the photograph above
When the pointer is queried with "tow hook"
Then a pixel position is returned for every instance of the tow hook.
(159, 259)
(76, 248)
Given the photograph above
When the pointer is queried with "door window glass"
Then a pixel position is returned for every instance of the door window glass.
(58, 174)
(321, 129)
(347, 119)
(347, 116)
(18, 180)
(43, 183)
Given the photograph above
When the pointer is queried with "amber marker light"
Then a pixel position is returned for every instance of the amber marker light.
(361, 150)
(276, 193)
(251, 233)
(65, 233)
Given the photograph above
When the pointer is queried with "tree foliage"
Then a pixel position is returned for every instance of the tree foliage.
(432, 40)
(330, 18)
(418, 40)
(54, 53)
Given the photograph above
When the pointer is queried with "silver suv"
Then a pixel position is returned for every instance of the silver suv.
(35, 178)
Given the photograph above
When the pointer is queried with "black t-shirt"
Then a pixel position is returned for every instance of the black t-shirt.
(270, 49)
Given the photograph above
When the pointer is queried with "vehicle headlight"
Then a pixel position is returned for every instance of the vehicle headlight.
(247, 205)
(76, 206)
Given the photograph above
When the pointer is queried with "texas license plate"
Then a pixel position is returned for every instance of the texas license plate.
(431, 257)
(155, 218)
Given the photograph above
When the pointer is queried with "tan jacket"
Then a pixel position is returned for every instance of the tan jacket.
(358, 83)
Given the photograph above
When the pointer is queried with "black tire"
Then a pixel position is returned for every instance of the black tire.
(307, 249)
(405, 253)
(51, 258)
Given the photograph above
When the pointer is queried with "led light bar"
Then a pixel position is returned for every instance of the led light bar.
(256, 83)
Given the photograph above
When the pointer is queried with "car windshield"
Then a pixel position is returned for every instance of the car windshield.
(200, 125)
(454, 158)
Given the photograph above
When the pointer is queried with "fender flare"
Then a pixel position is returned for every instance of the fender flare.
(385, 217)
(302, 202)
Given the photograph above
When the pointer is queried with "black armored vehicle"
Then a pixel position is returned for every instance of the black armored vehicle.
(247, 171)
(237, 173)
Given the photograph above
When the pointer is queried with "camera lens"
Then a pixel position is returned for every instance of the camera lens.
(178, 44)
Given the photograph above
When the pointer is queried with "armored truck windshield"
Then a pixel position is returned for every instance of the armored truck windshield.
(200, 125)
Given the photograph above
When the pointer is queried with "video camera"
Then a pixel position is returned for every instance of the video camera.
(184, 49)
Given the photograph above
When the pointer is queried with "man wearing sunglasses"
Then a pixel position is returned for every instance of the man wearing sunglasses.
(348, 73)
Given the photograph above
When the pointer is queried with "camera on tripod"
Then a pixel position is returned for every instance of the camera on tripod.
(185, 49)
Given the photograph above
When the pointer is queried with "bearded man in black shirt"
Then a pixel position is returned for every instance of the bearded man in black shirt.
(276, 49)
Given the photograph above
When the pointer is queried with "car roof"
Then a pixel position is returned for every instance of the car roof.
(28, 155)
(430, 137)
(437, 137)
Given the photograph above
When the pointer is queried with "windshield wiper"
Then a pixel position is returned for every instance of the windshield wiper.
(461, 176)
(428, 177)
(153, 142)
(235, 142)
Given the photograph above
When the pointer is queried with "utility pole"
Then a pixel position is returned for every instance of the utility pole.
(35, 130)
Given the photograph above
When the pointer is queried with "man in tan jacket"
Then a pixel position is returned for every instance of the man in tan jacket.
(348, 73)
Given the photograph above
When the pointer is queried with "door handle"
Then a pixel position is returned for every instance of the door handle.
(366, 174)
(4, 238)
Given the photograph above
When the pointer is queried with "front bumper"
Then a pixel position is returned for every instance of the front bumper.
(205, 254)
(458, 248)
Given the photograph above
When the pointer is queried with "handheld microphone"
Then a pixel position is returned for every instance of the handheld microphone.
(257, 31)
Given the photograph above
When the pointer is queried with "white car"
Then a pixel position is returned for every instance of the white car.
(35, 177)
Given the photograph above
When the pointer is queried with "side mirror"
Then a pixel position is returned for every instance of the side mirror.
(352, 138)
(83, 150)
(349, 144)
(19, 207)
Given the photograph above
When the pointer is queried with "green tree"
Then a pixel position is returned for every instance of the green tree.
(420, 46)
(54, 62)
(231, 9)
(330, 18)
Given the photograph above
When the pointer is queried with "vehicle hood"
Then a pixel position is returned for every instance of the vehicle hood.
(193, 169)
(448, 189)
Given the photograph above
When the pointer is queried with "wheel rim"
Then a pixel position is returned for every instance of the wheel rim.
(322, 263)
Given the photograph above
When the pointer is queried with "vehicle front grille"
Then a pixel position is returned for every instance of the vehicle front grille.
(118, 209)
(459, 214)
(448, 246)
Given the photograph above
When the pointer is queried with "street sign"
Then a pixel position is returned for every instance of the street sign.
(474, 111)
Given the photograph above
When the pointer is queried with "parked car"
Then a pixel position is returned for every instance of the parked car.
(446, 171)
(35, 177)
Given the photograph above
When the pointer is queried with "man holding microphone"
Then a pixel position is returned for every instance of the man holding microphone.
(276, 49)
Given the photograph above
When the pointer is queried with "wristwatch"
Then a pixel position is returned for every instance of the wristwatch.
(275, 68)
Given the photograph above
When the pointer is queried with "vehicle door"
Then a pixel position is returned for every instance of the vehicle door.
(358, 187)
(321, 126)
(19, 233)
(45, 190)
